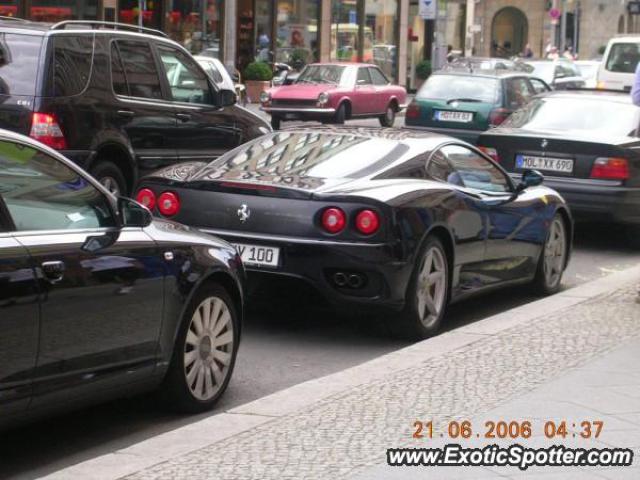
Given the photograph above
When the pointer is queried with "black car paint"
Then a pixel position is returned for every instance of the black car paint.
(489, 243)
(107, 328)
(139, 135)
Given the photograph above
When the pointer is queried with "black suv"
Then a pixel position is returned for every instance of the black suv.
(117, 99)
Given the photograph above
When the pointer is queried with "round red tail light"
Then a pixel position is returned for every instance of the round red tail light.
(147, 198)
(333, 220)
(168, 204)
(367, 222)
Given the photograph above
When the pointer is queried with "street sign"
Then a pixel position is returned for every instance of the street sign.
(428, 9)
(554, 13)
(633, 8)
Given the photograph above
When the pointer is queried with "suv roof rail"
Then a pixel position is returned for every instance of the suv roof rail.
(113, 25)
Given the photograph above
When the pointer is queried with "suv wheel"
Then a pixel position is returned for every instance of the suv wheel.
(205, 352)
(111, 177)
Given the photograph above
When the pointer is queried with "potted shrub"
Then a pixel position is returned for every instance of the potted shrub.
(257, 76)
(423, 70)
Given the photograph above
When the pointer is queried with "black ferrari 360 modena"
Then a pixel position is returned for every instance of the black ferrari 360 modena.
(375, 218)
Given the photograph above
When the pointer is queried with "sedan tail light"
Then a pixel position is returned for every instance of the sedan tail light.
(333, 220)
(146, 197)
(491, 153)
(367, 222)
(168, 204)
(413, 110)
(610, 168)
(498, 115)
(45, 129)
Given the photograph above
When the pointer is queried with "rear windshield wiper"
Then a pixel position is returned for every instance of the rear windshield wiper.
(468, 100)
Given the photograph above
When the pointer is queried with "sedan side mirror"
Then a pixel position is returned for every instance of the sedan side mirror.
(530, 178)
(226, 98)
(133, 214)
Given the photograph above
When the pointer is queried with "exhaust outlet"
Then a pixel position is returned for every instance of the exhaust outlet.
(355, 281)
(340, 279)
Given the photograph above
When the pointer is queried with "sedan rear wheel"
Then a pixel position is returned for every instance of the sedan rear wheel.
(341, 114)
(389, 117)
(553, 258)
(205, 352)
(428, 292)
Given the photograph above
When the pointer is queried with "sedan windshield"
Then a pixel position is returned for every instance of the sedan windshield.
(596, 116)
(460, 87)
(321, 74)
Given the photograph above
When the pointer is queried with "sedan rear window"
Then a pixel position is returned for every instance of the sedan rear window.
(589, 115)
(459, 87)
(19, 59)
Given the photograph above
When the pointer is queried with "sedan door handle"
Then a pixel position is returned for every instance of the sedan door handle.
(53, 271)
(184, 117)
(126, 113)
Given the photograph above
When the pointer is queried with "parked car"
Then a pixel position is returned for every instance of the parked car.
(333, 93)
(379, 219)
(586, 143)
(560, 74)
(463, 104)
(618, 66)
(589, 71)
(488, 63)
(99, 300)
(117, 102)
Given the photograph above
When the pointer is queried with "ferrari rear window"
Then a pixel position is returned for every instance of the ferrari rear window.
(460, 87)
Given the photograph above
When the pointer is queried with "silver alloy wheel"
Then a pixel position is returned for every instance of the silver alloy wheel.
(554, 253)
(110, 184)
(432, 286)
(208, 348)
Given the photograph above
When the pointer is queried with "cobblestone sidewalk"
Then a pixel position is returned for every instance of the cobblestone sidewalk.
(347, 434)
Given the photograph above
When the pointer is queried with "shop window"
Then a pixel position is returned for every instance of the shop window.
(151, 15)
(9, 8)
(197, 25)
(58, 10)
(297, 32)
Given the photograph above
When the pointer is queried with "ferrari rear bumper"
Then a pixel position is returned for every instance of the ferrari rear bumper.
(347, 274)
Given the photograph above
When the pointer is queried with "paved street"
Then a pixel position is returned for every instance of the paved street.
(280, 348)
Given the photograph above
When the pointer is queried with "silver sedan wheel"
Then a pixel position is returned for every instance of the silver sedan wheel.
(555, 251)
(208, 348)
(111, 184)
(432, 286)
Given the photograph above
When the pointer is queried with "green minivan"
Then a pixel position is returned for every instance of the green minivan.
(464, 104)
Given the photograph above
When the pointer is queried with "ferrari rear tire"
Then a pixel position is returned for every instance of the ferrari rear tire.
(389, 117)
(205, 352)
(633, 236)
(427, 294)
(275, 122)
(553, 258)
(341, 115)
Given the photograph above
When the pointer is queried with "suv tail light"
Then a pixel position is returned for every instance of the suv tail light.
(168, 204)
(45, 129)
(367, 222)
(491, 153)
(498, 115)
(333, 220)
(147, 198)
(413, 110)
(610, 168)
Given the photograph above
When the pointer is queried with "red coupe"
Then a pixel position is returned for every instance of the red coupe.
(335, 92)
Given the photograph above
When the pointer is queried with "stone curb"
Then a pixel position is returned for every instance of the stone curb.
(227, 424)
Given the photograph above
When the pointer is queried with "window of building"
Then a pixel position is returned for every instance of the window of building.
(151, 15)
(58, 10)
(297, 32)
(197, 25)
(140, 69)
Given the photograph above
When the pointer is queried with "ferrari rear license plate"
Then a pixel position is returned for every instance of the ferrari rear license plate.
(258, 255)
(449, 116)
(564, 165)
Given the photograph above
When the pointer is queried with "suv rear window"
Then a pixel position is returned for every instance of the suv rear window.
(623, 58)
(71, 67)
(19, 55)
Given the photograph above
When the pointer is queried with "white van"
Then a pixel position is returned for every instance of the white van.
(619, 63)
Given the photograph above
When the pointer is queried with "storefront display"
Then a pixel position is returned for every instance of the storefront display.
(196, 24)
(135, 11)
(297, 32)
(58, 10)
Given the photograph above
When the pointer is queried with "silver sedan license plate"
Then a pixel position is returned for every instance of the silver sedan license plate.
(258, 255)
(564, 165)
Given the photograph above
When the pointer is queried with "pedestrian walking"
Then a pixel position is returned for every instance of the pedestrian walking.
(528, 52)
